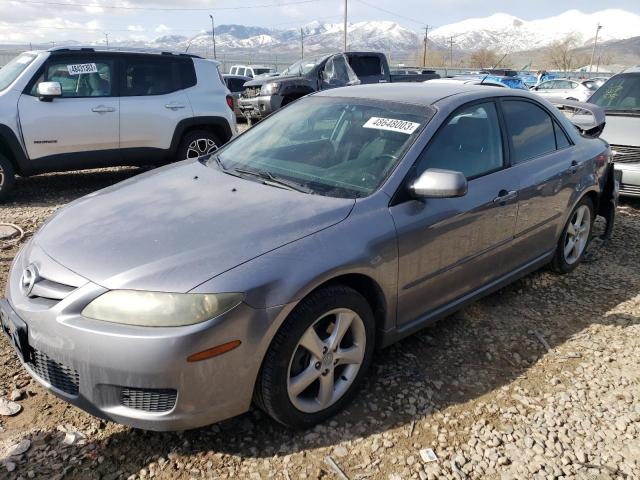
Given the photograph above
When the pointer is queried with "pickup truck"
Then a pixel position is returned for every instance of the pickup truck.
(321, 72)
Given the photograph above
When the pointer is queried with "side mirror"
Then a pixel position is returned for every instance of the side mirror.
(47, 91)
(437, 183)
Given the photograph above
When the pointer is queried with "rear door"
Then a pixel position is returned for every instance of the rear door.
(153, 100)
(451, 246)
(84, 119)
(547, 164)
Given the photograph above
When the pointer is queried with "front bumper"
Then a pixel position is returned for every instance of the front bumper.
(630, 183)
(257, 108)
(138, 376)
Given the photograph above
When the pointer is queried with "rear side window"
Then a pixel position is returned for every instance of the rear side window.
(531, 130)
(236, 84)
(82, 77)
(156, 76)
(366, 65)
(561, 138)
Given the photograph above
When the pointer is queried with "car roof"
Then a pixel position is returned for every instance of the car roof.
(635, 69)
(423, 93)
(118, 50)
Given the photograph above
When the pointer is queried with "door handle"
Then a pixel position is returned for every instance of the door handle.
(574, 166)
(505, 196)
(103, 109)
(174, 106)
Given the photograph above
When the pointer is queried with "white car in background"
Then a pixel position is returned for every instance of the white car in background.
(563, 88)
(252, 71)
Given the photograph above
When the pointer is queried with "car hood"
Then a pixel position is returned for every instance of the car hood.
(622, 129)
(173, 228)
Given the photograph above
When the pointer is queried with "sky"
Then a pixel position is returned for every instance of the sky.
(41, 21)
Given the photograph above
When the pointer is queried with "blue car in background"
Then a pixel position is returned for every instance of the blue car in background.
(511, 82)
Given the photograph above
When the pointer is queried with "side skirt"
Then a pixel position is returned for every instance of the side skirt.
(391, 336)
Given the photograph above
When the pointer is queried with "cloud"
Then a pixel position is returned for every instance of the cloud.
(162, 28)
(135, 28)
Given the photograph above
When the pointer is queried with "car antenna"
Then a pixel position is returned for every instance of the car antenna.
(484, 78)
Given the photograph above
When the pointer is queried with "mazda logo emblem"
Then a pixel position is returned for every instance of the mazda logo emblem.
(28, 280)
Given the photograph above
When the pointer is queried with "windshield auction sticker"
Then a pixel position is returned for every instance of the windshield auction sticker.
(401, 126)
(82, 68)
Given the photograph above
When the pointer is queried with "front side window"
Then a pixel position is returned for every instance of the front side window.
(620, 93)
(82, 77)
(530, 129)
(14, 68)
(304, 66)
(470, 142)
(149, 76)
(338, 73)
(341, 147)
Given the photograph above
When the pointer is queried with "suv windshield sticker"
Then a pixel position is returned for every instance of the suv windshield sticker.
(393, 125)
(82, 68)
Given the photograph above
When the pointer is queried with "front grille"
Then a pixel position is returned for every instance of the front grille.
(48, 289)
(58, 375)
(627, 189)
(251, 92)
(625, 154)
(148, 399)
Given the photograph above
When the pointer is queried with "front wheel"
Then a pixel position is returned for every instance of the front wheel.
(318, 358)
(7, 177)
(198, 143)
(575, 238)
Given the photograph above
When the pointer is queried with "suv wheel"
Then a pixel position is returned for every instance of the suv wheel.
(318, 358)
(198, 143)
(575, 238)
(7, 177)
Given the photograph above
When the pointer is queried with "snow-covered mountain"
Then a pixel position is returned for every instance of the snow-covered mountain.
(507, 33)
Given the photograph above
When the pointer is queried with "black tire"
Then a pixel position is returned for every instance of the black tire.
(560, 263)
(271, 393)
(7, 177)
(202, 139)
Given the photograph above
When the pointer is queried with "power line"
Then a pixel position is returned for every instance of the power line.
(391, 13)
(167, 9)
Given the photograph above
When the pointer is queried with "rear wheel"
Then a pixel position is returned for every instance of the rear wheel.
(575, 238)
(318, 358)
(198, 143)
(7, 177)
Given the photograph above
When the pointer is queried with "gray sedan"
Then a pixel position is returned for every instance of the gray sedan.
(272, 270)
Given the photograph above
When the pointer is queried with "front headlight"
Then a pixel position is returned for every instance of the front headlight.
(269, 88)
(158, 309)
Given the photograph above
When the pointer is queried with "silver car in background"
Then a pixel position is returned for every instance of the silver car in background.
(271, 270)
(563, 88)
(620, 99)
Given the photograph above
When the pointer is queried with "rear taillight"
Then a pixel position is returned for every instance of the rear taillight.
(230, 101)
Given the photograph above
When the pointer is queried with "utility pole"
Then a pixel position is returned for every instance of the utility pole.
(213, 35)
(345, 25)
(426, 37)
(106, 37)
(301, 43)
(595, 42)
(451, 51)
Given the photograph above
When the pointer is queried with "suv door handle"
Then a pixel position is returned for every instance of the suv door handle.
(505, 196)
(103, 109)
(574, 166)
(174, 106)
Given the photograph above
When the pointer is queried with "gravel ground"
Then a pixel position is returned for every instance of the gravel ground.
(539, 380)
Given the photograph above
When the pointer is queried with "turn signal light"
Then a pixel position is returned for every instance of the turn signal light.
(214, 352)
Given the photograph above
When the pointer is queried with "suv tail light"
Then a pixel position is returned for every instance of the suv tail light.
(230, 101)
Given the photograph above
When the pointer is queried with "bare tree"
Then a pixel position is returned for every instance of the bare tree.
(562, 55)
(434, 58)
(483, 58)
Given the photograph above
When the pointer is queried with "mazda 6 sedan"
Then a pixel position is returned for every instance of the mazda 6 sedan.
(273, 270)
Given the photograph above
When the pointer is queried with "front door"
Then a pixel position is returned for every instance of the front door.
(84, 119)
(452, 246)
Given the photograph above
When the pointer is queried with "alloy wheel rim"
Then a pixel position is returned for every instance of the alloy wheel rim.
(200, 147)
(1, 177)
(577, 234)
(326, 360)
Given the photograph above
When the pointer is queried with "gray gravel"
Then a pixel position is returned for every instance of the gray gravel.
(480, 389)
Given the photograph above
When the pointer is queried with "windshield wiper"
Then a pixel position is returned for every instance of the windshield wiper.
(269, 179)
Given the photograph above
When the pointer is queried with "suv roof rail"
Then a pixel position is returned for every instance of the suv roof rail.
(148, 51)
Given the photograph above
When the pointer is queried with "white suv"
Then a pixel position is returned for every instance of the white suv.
(78, 108)
(252, 71)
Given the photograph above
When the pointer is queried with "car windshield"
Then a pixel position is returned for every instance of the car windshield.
(15, 67)
(304, 66)
(339, 147)
(621, 93)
